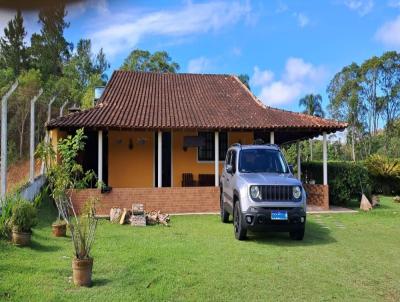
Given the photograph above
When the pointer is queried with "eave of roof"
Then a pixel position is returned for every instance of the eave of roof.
(138, 100)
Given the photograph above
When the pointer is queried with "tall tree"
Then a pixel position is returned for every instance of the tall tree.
(143, 60)
(313, 106)
(49, 49)
(390, 86)
(245, 79)
(29, 86)
(345, 102)
(13, 51)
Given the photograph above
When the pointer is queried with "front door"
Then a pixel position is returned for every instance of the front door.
(166, 159)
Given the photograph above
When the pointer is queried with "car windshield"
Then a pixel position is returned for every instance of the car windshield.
(262, 160)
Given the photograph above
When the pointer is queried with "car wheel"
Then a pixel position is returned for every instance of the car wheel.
(224, 214)
(238, 227)
(297, 234)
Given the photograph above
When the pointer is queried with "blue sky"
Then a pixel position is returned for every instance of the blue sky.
(288, 48)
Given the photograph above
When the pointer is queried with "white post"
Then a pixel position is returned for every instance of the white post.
(298, 161)
(159, 160)
(32, 138)
(216, 157)
(325, 158)
(100, 158)
(3, 172)
(47, 135)
(272, 137)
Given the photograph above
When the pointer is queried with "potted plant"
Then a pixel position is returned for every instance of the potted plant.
(63, 179)
(59, 228)
(23, 218)
(83, 230)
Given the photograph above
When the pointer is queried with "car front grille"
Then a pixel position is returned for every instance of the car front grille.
(277, 193)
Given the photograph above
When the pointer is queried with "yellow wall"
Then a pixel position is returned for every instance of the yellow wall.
(186, 161)
(55, 135)
(130, 167)
(135, 167)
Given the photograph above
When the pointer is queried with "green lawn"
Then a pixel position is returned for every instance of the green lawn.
(343, 257)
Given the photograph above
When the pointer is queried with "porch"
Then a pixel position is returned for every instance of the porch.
(127, 161)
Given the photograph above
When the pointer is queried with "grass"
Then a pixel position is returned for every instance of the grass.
(351, 257)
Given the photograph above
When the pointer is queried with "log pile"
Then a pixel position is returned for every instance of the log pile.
(137, 216)
(396, 198)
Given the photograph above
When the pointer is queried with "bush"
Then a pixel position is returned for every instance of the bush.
(384, 173)
(346, 180)
(24, 216)
(5, 217)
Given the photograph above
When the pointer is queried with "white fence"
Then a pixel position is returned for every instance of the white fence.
(32, 189)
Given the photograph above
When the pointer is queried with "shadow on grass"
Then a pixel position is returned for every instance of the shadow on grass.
(315, 234)
(35, 245)
(100, 282)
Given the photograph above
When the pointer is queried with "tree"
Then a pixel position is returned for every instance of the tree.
(390, 86)
(49, 49)
(345, 102)
(143, 60)
(29, 85)
(13, 51)
(313, 106)
(244, 78)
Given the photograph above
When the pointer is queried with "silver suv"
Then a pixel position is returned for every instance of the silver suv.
(258, 188)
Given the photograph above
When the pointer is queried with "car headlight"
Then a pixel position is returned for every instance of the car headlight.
(255, 192)
(296, 192)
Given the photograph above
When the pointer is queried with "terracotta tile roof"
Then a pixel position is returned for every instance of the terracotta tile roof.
(140, 100)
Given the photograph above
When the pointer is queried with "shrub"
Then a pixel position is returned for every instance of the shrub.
(384, 173)
(346, 180)
(5, 217)
(24, 216)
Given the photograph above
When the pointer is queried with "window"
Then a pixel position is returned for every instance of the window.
(206, 152)
(233, 162)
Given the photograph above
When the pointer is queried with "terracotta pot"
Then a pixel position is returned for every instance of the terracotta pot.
(59, 230)
(21, 238)
(82, 271)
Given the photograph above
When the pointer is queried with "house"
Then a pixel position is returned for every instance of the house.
(160, 138)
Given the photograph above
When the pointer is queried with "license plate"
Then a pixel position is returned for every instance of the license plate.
(279, 215)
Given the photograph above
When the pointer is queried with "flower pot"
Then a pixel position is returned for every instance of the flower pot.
(21, 238)
(82, 271)
(59, 230)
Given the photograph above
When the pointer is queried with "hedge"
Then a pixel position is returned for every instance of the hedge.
(346, 180)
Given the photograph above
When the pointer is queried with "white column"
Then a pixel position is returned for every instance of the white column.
(325, 158)
(216, 157)
(32, 139)
(272, 137)
(298, 160)
(159, 160)
(3, 170)
(100, 158)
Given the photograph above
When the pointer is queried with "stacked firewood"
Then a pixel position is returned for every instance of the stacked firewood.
(137, 216)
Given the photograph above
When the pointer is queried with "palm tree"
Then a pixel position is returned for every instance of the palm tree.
(313, 106)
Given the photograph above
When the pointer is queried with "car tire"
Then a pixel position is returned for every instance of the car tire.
(224, 214)
(238, 223)
(297, 234)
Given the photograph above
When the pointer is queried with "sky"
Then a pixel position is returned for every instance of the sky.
(288, 48)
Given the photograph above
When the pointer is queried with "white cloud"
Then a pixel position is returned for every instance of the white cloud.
(119, 32)
(362, 7)
(261, 77)
(302, 19)
(199, 65)
(236, 51)
(298, 78)
(389, 33)
(5, 16)
(79, 8)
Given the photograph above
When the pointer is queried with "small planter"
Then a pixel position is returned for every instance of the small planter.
(82, 271)
(59, 229)
(21, 238)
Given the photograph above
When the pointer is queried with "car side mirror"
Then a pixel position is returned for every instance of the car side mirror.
(229, 169)
(291, 168)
